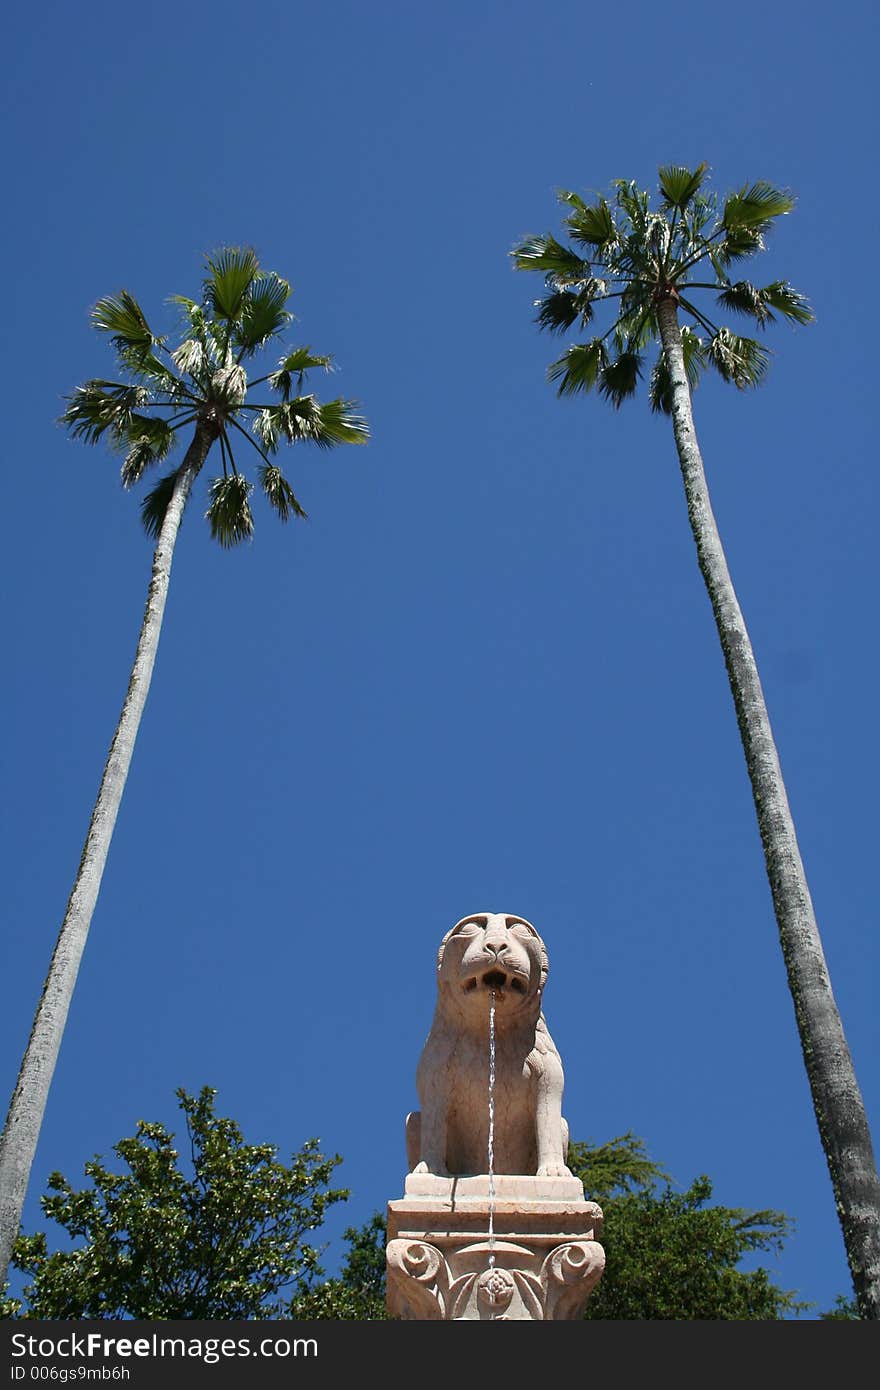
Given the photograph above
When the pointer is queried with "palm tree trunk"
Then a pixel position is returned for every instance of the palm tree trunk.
(24, 1120)
(837, 1100)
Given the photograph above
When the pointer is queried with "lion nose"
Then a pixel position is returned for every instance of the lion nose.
(496, 942)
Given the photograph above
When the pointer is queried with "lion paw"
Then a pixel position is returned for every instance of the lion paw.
(554, 1170)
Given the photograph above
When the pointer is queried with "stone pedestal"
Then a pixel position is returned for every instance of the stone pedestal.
(541, 1265)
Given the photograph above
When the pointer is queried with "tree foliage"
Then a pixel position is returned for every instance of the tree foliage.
(203, 381)
(220, 1234)
(630, 255)
(672, 1255)
(357, 1294)
(843, 1310)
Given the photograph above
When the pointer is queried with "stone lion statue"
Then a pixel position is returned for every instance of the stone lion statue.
(483, 954)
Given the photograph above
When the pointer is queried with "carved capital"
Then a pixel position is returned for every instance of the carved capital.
(424, 1285)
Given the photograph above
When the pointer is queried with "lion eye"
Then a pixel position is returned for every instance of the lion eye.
(521, 930)
(470, 929)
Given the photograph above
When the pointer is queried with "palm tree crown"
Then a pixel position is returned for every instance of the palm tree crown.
(203, 381)
(637, 257)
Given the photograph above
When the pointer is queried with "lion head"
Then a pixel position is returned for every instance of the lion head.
(492, 953)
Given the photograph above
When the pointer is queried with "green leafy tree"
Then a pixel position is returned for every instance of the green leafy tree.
(201, 386)
(357, 1294)
(670, 1254)
(844, 1310)
(655, 267)
(220, 1236)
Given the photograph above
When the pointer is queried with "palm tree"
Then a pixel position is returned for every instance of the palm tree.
(200, 385)
(655, 265)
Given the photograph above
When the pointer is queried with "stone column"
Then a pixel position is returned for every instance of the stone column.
(541, 1263)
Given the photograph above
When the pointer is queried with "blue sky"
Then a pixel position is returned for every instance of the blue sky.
(484, 674)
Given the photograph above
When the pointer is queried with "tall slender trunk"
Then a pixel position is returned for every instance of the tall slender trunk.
(25, 1117)
(837, 1100)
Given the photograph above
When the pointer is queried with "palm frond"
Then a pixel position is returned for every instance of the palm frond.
(745, 298)
(573, 200)
(738, 244)
(559, 263)
(233, 270)
(593, 225)
(718, 264)
(618, 379)
(122, 317)
(279, 492)
(98, 406)
(740, 360)
(660, 386)
(755, 206)
(759, 303)
(150, 440)
(154, 427)
(788, 301)
(634, 203)
(152, 368)
(334, 422)
(155, 504)
(679, 184)
(696, 217)
(296, 364)
(694, 353)
(262, 314)
(635, 326)
(267, 426)
(189, 306)
(229, 512)
(206, 331)
(560, 310)
(579, 369)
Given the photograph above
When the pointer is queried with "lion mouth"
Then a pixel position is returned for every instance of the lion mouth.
(495, 981)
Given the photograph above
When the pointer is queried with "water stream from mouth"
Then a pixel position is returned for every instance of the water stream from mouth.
(491, 1154)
